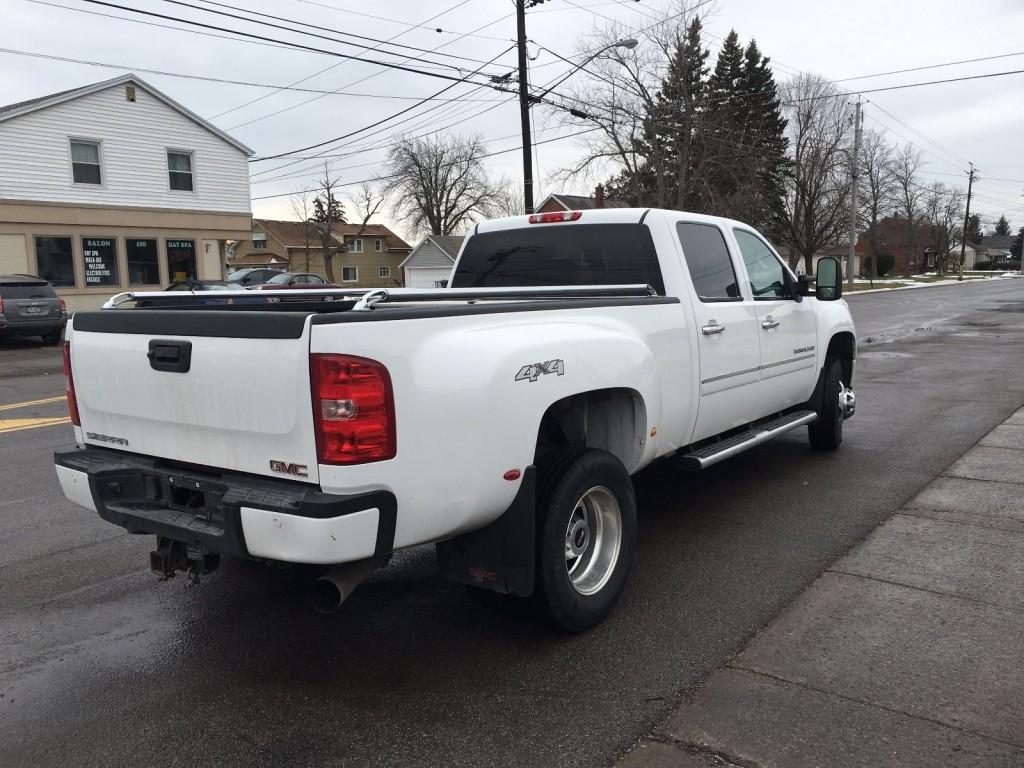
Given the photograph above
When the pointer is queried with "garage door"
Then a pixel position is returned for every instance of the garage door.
(426, 277)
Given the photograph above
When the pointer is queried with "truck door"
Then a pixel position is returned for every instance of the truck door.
(727, 331)
(787, 327)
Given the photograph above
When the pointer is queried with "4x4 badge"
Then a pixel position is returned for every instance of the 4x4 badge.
(534, 371)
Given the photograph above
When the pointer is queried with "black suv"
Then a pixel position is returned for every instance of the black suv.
(29, 307)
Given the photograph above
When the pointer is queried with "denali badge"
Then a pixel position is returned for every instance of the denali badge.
(288, 468)
(533, 371)
(106, 439)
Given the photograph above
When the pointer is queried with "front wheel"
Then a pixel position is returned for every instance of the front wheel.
(587, 536)
(826, 434)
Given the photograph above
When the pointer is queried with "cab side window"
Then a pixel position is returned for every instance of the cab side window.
(768, 278)
(707, 258)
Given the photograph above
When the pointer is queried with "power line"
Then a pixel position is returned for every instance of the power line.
(296, 22)
(406, 24)
(299, 46)
(378, 122)
(930, 66)
(392, 176)
(206, 78)
(354, 82)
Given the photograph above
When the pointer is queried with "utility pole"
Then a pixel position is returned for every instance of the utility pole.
(854, 182)
(524, 105)
(967, 221)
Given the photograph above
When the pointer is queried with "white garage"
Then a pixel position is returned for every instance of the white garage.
(430, 262)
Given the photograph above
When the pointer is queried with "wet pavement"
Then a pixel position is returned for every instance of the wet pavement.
(102, 665)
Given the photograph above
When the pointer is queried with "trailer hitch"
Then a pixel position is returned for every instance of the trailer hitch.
(172, 556)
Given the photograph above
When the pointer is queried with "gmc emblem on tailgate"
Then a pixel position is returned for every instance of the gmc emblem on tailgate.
(288, 468)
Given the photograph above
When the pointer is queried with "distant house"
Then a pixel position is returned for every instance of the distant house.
(116, 186)
(891, 236)
(431, 261)
(368, 259)
(996, 248)
(559, 202)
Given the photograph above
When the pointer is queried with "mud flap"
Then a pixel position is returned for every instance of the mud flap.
(500, 556)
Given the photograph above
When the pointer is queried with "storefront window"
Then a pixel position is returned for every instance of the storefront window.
(181, 260)
(100, 256)
(143, 268)
(55, 262)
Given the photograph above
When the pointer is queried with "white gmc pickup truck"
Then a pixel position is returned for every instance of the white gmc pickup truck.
(500, 417)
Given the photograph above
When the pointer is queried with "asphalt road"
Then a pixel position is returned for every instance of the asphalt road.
(102, 665)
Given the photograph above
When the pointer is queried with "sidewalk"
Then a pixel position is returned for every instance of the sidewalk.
(909, 651)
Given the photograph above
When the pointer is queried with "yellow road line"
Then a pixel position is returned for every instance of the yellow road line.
(16, 425)
(27, 403)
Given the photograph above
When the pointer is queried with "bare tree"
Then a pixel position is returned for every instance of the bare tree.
(328, 212)
(944, 212)
(302, 209)
(439, 184)
(815, 206)
(508, 199)
(619, 93)
(906, 167)
(878, 190)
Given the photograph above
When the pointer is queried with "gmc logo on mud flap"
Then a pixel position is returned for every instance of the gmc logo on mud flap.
(534, 371)
(288, 468)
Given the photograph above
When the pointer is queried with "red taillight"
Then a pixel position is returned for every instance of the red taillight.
(63, 306)
(353, 409)
(556, 216)
(70, 382)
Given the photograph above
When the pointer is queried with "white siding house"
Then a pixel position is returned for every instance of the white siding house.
(430, 263)
(115, 185)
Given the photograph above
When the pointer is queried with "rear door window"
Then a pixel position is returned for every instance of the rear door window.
(707, 257)
(26, 291)
(576, 254)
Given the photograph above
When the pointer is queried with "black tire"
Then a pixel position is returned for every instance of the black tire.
(826, 434)
(566, 477)
(54, 337)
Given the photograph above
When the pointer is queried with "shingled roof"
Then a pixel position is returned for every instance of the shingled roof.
(291, 234)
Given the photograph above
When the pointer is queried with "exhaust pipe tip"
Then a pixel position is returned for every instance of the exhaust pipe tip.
(334, 587)
(325, 597)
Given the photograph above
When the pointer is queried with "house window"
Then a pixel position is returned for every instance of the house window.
(259, 241)
(179, 168)
(54, 261)
(357, 245)
(85, 161)
(100, 257)
(181, 260)
(143, 268)
(384, 272)
(378, 245)
(350, 274)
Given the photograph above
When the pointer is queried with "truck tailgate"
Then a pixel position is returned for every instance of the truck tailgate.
(224, 390)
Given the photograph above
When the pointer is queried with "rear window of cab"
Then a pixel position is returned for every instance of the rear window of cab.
(576, 254)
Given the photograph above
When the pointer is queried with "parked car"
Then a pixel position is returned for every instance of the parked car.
(200, 285)
(30, 307)
(292, 280)
(252, 276)
(500, 418)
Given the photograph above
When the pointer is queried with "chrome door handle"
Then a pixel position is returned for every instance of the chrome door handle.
(712, 328)
(769, 322)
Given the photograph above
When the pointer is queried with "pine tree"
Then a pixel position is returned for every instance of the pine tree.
(766, 136)
(673, 122)
(974, 229)
(1002, 226)
(333, 207)
(722, 138)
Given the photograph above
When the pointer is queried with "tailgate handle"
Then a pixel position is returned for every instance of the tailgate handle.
(170, 356)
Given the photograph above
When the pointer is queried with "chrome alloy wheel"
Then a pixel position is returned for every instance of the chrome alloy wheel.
(593, 538)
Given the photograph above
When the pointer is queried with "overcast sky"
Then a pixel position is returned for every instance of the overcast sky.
(978, 120)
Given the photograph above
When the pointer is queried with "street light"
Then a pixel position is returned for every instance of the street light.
(628, 43)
